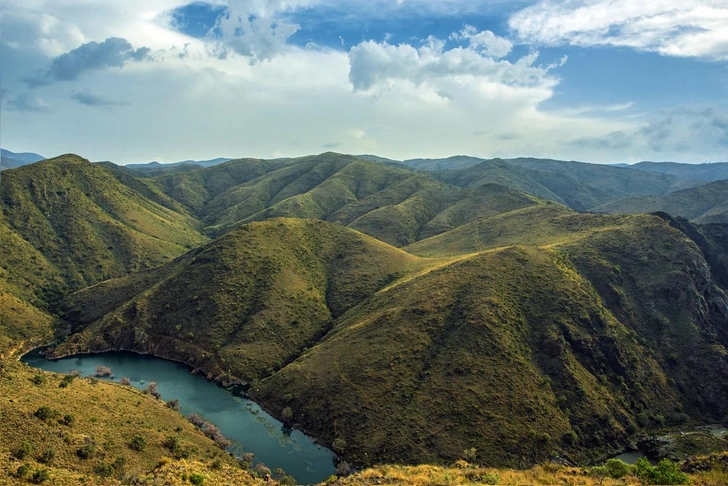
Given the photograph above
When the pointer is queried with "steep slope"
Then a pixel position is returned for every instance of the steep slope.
(194, 187)
(86, 224)
(701, 172)
(520, 353)
(242, 306)
(704, 204)
(602, 326)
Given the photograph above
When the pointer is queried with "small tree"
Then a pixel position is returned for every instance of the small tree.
(153, 390)
(137, 443)
(125, 381)
(103, 372)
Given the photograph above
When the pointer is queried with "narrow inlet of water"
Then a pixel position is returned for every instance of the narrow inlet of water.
(240, 419)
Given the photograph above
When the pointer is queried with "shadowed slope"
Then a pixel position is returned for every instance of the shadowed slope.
(703, 204)
(243, 305)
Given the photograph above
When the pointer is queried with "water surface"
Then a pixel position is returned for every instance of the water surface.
(240, 420)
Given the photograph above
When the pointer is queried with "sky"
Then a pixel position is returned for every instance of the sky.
(606, 81)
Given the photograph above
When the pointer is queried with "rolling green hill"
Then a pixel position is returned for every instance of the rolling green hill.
(703, 204)
(570, 344)
(251, 300)
(88, 225)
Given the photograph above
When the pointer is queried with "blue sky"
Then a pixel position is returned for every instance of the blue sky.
(137, 80)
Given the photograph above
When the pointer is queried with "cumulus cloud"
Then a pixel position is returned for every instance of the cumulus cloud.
(90, 99)
(485, 42)
(373, 63)
(686, 28)
(251, 28)
(113, 52)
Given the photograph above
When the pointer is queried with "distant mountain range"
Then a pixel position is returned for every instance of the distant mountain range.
(10, 160)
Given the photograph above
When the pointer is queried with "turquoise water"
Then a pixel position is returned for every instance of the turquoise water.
(239, 419)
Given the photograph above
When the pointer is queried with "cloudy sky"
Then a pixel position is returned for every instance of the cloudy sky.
(140, 80)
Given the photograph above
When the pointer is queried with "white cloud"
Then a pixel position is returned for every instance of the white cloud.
(685, 28)
(377, 63)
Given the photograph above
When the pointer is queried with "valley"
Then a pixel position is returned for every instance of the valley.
(398, 315)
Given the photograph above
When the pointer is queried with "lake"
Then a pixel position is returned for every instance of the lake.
(240, 419)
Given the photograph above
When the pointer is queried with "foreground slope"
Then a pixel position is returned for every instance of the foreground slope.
(704, 204)
(242, 306)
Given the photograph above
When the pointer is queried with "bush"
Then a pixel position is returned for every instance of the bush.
(104, 470)
(47, 456)
(287, 413)
(67, 420)
(67, 380)
(617, 468)
(153, 390)
(195, 419)
(40, 475)
(666, 472)
(23, 470)
(211, 431)
(125, 381)
(23, 450)
(137, 443)
(86, 451)
(46, 413)
(103, 372)
(173, 404)
(197, 478)
(38, 379)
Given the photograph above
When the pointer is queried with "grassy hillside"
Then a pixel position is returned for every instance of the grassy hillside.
(87, 224)
(395, 205)
(570, 345)
(46, 421)
(242, 306)
(704, 204)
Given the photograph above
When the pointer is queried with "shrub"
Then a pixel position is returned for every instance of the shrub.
(197, 478)
(338, 445)
(86, 451)
(23, 450)
(103, 372)
(195, 419)
(104, 470)
(617, 468)
(23, 470)
(173, 404)
(137, 443)
(45, 413)
(67, 420)
(40, 475)
(287, 413)
(666, 472)
(38, 379)
(67, 380)
(153, 390)
(47, 456)
(211, 431)
(262, 470)
(125, 381)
